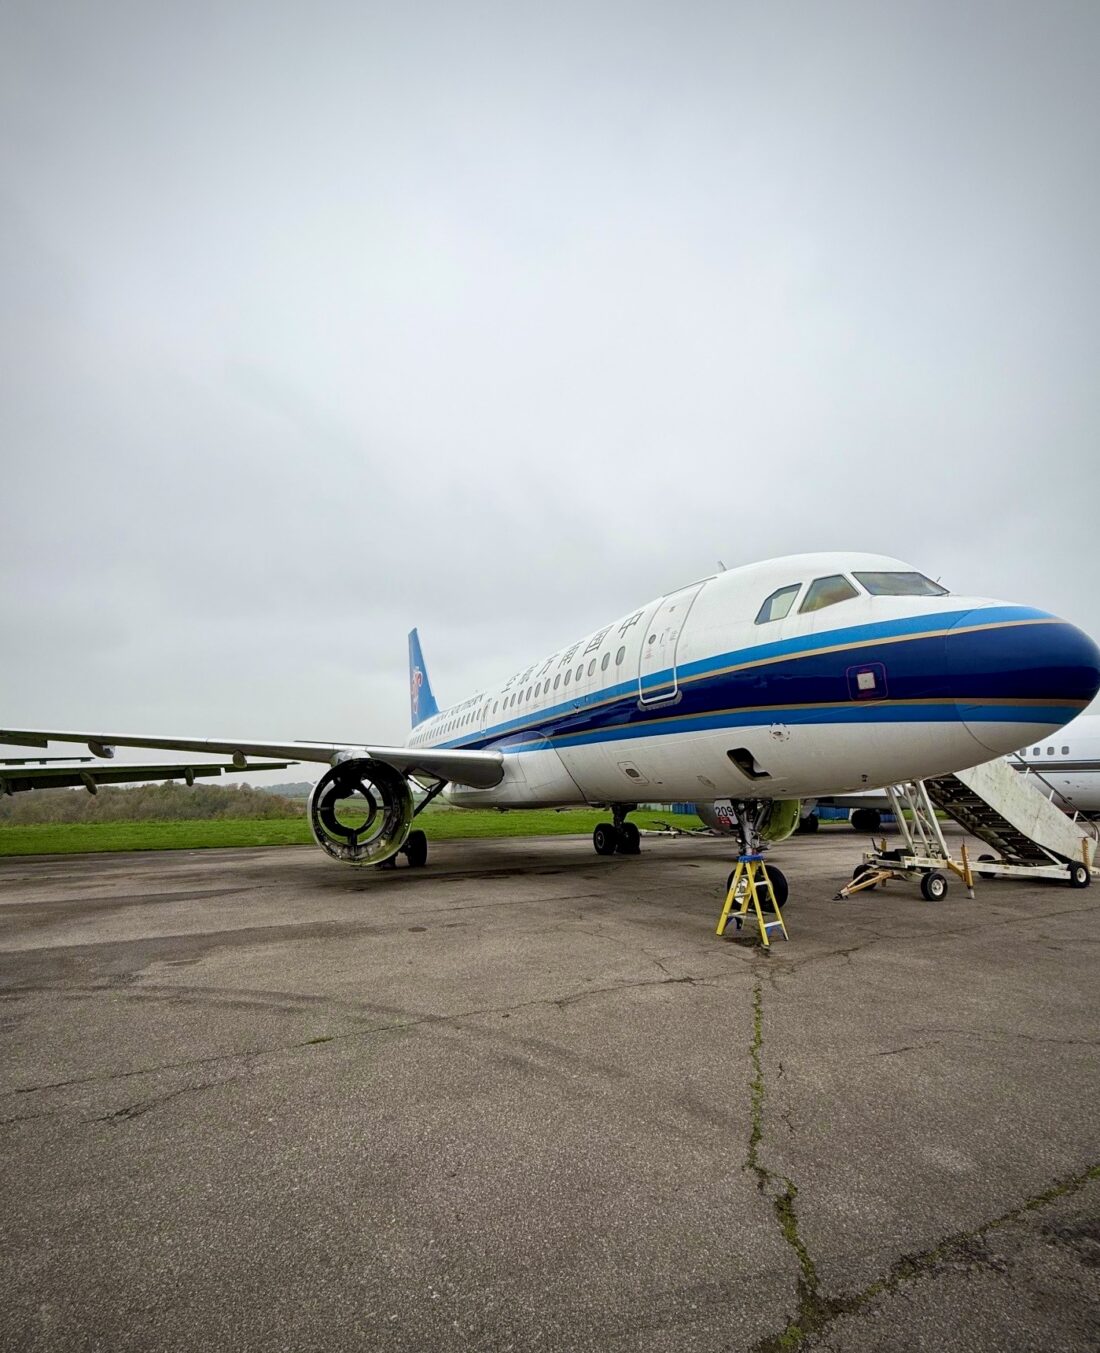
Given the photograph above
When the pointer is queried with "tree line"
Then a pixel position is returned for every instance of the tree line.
(170, 802)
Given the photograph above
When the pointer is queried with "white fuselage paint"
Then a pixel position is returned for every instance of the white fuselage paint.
(859, 741)
(1069, 764)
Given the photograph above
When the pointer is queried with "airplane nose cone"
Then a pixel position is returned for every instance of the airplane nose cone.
(1018, 675)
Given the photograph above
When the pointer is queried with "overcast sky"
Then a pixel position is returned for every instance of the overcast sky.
(321, 320)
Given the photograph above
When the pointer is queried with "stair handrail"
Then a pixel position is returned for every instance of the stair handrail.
(1089, 827)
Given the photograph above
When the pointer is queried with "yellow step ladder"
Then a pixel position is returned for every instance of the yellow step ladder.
(748, 882)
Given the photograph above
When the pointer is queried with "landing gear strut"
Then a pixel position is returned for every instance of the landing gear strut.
(620, 835)
(749, 817)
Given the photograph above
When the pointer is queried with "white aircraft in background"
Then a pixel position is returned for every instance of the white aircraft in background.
(768, 684)
(1069, 765)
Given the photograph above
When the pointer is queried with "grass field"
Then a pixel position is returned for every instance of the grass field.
(443, 824)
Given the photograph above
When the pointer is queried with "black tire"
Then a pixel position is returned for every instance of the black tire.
(860, 870)
(630, 839)
(933, 886)
(780, 887)
(1079, 876)
(866, 820)
(809, 824)
(416, 850)
(984, 873)
(605, 838)
(779, 884)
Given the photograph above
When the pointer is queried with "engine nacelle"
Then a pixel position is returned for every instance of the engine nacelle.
(775, 819)
(361, 811)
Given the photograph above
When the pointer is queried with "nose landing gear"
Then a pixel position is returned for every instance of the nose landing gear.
(753, 885)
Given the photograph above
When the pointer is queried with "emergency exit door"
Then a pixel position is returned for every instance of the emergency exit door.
(657, 678)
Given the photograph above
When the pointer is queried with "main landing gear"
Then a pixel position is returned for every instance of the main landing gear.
(618, 836)
(415, 850)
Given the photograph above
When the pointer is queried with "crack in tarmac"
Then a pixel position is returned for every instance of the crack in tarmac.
(816, 1311)
(998, 1035)
(396, 1026)
(143, 1106)
(786, 966)
(808, 1287)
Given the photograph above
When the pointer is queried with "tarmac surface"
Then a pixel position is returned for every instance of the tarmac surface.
(526, 1100)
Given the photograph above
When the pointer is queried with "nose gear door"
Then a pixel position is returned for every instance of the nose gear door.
(657, 679)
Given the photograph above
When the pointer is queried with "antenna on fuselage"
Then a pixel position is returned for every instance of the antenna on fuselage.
(721, 567)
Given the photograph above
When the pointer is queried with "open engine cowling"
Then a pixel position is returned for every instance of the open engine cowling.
(361, 811)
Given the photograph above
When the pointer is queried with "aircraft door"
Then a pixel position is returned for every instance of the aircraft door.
(657, 679)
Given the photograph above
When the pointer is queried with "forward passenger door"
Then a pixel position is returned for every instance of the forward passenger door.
(657, 680)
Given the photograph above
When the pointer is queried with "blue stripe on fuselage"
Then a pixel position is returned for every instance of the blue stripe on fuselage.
(804, 680)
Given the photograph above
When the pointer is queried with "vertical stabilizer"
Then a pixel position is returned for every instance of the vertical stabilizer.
(421, 699)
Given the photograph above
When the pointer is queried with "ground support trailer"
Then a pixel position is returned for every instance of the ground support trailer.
(1034, 838)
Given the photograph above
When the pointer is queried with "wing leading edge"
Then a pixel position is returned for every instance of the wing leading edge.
(479, 770)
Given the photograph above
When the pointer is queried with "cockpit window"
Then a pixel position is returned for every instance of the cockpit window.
(778, 604)
(827, 592)
(900, 585)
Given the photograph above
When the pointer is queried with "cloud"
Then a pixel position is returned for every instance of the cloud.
(500, 321)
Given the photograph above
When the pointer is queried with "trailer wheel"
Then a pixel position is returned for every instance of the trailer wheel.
(933, 886)
(862, 869)
(986, 859)
(1079, 876)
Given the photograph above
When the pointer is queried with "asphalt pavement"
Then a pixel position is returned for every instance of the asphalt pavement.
(524, 1099)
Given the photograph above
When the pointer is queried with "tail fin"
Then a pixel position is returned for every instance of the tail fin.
(421, 698)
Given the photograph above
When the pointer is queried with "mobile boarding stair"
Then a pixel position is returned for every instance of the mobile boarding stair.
(1032, 836)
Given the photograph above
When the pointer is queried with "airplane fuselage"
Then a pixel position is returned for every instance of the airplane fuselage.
(719, 690)
(1069, 764)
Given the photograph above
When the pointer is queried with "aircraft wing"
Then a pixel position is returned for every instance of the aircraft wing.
(17, 777)
(480, 770)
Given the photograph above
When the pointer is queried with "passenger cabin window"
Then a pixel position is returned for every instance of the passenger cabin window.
(620, 655)
(900, 585)
(1065, 751)
(604, 661)
(778, 604)
(827, 592)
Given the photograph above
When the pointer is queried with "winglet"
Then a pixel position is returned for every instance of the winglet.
(421, 699)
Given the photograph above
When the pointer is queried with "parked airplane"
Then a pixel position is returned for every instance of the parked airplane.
(1069, 765)
(767, 684)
